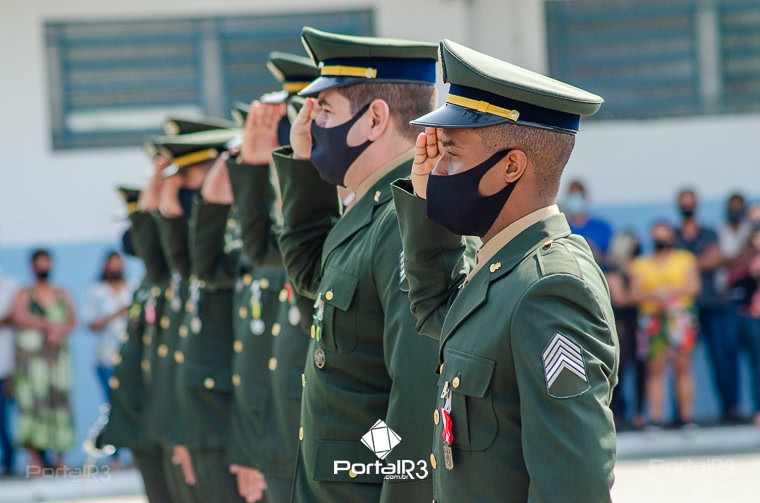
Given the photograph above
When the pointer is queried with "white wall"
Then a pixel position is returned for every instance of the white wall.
(48, 196)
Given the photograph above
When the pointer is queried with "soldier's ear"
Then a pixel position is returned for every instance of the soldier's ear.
(380, 114)
(515, 163)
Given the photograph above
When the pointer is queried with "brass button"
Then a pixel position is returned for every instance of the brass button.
(495, 267)
(440, 369)
(329, 295)
(169, 294)
(117, 359)
(113, 382)
(313, 331)
(195, 325)
(183, 331)
(456, 382)
(179, 357)
(201, 284)
(549, 243)
(433, 461)
(436, 417)
(263, 283)
(377, 196)
(163, 350)
(209, 383)
(238, 346)
(155, 291)
(319, 358)
(247, 279)
(283, 295)
(300, 433)
(273, 364)
(236, 379)
(352, 474)
(276, 329)
(303, 380)
(165, 322)
(242, 312)
(145, 365)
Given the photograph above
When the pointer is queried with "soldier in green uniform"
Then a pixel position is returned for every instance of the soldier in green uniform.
(203, 379)
(367, 382)
(128, 415)
(528, 348)
(270, 343)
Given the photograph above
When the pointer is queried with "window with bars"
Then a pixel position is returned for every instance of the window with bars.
(659, 58)
(111, 83)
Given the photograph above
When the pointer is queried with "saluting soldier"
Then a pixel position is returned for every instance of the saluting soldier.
(270, 343)
(203, 380)
(367, 381)
(528, 348)
(128, 415)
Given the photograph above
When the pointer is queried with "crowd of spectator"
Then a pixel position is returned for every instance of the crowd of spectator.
(695, 285)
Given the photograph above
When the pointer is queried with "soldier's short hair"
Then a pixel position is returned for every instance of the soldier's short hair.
(547, 150)
(406, 100)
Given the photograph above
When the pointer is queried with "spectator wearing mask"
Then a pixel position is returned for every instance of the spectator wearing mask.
(666, 284)
(624, 248)
(711, 303)
(595, 231)
(44, 315)
(105, 314)
(8, 292)
(746, 286)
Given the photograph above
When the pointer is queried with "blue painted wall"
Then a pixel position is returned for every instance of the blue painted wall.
(76, 266)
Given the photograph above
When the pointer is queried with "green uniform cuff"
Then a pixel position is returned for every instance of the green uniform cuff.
(208, 226)
(148, 244)
(174, 241)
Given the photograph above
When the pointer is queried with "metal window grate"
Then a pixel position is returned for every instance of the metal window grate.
(740, 27)
(112, 82)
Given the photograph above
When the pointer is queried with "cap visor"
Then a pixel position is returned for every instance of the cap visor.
(274, 98)
(324, 83)
(454, 116)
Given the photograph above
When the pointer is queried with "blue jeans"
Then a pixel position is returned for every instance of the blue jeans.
(720, 329)
(104, 375)
(6, 446)
(751, 338)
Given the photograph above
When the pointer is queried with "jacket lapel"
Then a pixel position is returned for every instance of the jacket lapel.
(475, 293)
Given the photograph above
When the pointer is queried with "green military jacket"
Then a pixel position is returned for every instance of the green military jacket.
(204, 377)
(365, 363)
(270, 340)
(131, 391)
(163, 353)
(528, 352)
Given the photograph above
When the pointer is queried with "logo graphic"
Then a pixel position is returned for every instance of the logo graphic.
(381, 439)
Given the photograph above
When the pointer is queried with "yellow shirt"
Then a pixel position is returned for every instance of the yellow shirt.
(673, 272)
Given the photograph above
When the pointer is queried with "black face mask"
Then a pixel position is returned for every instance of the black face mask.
(283, 131)
(330, 153)
(113, 275)
(662, 245)
(454, 203)
(687, 212)
(734, 216)
(186, 198)
(42, 275)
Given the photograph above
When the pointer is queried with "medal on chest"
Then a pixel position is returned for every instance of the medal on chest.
(447, 427)
(257, 324)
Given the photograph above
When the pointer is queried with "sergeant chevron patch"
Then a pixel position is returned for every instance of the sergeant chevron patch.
(564, 368)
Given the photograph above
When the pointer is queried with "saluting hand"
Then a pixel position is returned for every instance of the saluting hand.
(216, 187)
(151, 194)
(300, 130)
(169, 205)
(260, 136)
(427, 151)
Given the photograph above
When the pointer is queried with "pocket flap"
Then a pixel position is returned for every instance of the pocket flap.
(207, 377)
(338, 288)
(353, 452)
(474, 373)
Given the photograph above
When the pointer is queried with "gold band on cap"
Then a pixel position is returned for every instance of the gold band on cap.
(349, 71)
(189, 159)
(171, 128)
(132, 207)
(483, 106)
(294, 87)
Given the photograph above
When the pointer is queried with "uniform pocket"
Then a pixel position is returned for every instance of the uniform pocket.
(472, 414)
(339, 326)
